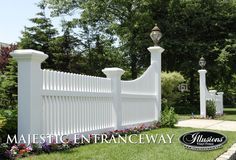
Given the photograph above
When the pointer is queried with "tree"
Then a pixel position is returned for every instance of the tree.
(8, 78)
(66, 49)
(103, 55)
(5, 55)
(232, 90)
(8, 86)
(41, 36)
(118, 19)
(62, 50)
(190, 28)
(226, 66)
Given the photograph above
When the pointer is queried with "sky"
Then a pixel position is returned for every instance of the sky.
(14, 15)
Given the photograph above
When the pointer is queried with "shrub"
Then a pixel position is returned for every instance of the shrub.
(169, 86)
(187, 109)
(168, 117)
(8, 86)
(3, 147)
(210, 108)
(9, 124)
(37, 148)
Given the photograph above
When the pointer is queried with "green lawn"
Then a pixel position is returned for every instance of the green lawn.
(174, 151)
(184, 116)
(229, 115)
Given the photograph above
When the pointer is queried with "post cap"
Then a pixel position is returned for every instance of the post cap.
(155, 49)
(113, 72)
(212, 91)
(202, 71)
(28, 54)
(220, 93)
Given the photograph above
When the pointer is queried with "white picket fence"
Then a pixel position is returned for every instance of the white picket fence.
(205, 95)
(217, 97)
(75, 103)
(52, 102)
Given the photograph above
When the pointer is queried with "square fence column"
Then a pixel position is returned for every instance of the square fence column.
(202, 85)
(115, 75)
(156, 52)
(29, 91)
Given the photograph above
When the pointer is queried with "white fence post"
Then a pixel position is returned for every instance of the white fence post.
(29, 91)
(202, 86)
(115, 75)
(156, 61)
(220, 94)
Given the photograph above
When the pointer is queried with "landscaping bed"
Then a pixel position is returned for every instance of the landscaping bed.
(151, 151)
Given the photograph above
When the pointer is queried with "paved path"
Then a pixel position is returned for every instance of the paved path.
(208, 124)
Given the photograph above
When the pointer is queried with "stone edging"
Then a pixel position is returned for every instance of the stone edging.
(230, 154)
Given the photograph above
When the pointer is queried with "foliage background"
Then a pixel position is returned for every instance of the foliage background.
(112, 33)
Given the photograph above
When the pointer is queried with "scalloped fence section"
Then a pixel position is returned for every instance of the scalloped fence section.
(135, 95)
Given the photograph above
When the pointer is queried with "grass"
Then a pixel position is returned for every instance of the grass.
(139, 151)
(229, 115)
(184, 117)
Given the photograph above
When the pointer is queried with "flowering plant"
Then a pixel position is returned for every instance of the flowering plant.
(13, 151)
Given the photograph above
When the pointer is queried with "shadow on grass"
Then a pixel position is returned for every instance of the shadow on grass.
(230, 111)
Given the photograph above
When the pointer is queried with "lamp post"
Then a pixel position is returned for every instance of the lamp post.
(202, 62)
(156, 67)
(202, 85)
(156, 35)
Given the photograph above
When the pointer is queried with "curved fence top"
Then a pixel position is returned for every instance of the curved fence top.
(143, 85)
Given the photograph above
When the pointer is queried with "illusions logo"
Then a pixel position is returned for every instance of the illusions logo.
(203, 140)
